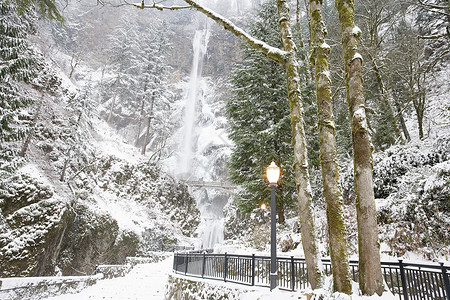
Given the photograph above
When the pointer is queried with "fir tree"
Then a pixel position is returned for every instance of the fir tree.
(258, 115)
(153, 94)
(16, 65)
(47, 8)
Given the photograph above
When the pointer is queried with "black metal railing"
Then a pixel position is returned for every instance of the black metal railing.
(407, 280)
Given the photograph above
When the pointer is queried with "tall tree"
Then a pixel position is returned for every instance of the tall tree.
(258, 116)
(409, 72)
(328, 152)
(309, 242)
(122, 52)
(152, 78)
(17, 64)
(376, 15)
(370, 276)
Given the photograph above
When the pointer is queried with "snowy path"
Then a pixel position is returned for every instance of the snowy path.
(145, 281)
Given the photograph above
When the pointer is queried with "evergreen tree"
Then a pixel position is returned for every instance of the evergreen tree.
(258, 115)
(153, 93)
(138, 99)
(122, 52)
(16, 65)
(47, 8)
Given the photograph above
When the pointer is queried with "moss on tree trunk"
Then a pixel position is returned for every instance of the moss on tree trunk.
(300, 151)
(370, 276)
(328, 153)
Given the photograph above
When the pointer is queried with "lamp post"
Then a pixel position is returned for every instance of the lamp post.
(273, 174)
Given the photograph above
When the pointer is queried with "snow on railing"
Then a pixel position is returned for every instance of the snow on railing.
(405, 279)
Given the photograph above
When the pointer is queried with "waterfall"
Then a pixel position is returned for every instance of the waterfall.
(209, 202)
(199, 46)
(211, 205)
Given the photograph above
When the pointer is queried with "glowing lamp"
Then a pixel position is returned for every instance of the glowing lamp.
(273, 173)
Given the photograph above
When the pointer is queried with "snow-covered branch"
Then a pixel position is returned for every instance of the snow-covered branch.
(270, 52)
(430, 5)
(434, 36)
(159, 6)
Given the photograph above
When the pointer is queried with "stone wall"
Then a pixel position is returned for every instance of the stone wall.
(182, 288)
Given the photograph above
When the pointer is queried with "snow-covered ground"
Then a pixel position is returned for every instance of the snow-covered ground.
(148, 281)
(145, 281)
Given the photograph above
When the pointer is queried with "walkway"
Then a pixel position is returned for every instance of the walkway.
(145, 281)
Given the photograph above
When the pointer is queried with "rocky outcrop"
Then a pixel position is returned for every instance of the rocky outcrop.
(93, 239)
(32, 224)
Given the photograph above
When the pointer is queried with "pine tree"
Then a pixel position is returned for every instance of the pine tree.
(47, 8)
(122, 53)
(258, 115)
(16, 65)
(153, 93)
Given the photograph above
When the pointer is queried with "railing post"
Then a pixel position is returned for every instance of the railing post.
(226, 268)
(175, 262)
(204, 263)
(187, 262)
(446, 281)
(403, 278)
(253, 269)
(292, 274)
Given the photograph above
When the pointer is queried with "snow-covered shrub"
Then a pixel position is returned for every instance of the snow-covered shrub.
(397, 161)
(183, 288)
(415, 215)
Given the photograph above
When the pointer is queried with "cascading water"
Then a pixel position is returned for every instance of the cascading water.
(199, 45)
(209, 202)
(205, 147)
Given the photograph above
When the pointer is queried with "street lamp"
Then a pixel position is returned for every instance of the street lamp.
(273, 174)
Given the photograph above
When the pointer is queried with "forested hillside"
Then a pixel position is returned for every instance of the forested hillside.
(73, 193)
(404, 46)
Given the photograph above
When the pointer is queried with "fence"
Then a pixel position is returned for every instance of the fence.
(407, 280)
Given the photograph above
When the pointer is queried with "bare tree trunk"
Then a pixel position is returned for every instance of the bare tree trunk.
(141, 115)
(280, 213)
(74, 61)
(147, 132)
(312, 256)
(113, 104)
(384, 96)
(370, 276)
(419, 101)
(328, 152)
(398, 110)
(66, 163)
(32, 130)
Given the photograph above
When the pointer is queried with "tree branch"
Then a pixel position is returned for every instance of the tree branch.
(427, 5)
(158, 6)
(433, 36)
(270, 52)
